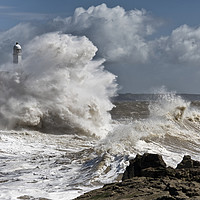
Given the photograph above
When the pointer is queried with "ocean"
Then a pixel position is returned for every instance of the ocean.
(64, 166)
(64, 131)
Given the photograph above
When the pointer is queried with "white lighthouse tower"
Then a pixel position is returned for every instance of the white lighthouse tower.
(17, 53)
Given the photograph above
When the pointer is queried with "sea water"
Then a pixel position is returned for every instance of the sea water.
(61, 135)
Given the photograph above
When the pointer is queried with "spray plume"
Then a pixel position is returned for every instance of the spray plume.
(58, 84)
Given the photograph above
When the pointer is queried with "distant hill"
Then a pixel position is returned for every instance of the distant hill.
(152, 97)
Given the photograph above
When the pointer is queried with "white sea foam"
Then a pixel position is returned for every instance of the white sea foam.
(171, 129)
(53, 166)
(58, 82)
(60, 89)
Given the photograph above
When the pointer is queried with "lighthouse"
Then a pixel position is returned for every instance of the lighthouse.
(17, 53)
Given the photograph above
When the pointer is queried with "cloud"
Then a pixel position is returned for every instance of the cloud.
(126, 40)
(181, 47)
(122, 37)
(5, 7)
(9, 11)
(27, 16)
(21, 33)
(117, 33)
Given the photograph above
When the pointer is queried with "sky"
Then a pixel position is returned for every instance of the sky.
(147, 44)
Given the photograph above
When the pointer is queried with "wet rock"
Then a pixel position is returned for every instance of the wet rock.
(187, 162)
(148, 165)
(148, 178)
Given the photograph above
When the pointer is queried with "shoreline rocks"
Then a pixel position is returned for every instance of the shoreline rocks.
(148, 178)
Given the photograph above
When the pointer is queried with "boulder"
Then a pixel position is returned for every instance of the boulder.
(187, 162)
(148, 165)
(152, 165)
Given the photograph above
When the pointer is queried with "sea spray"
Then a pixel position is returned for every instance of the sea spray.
(55, 166)
(170, 129)
(168, 104)
(58, 84)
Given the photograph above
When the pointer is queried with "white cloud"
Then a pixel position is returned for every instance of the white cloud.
(26, 16)
(5, 7)
(182, 46)
(117, 33)
(123, 39)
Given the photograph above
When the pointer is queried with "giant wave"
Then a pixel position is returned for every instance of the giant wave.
(58, 85)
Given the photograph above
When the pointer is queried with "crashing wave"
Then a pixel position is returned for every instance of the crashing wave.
(59, 85)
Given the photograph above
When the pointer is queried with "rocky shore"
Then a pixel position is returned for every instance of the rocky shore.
(148, 178)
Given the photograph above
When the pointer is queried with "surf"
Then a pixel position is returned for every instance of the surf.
(58, 84)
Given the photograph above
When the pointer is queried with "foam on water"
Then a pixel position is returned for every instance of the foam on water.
(60, 91)
(55, 101)
(41, 165)
(171, 129)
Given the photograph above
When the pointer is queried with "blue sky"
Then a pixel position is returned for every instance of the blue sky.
(173, 12)
(155, 43)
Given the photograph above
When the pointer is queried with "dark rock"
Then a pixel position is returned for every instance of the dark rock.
(173, 191)
(196, 163)
(148, 178)
(152, 165)
(149, 165)
(187, 162)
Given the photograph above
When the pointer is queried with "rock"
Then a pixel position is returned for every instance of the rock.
(187, 162)
(149, 165)
(152, 165)
(148, 178)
